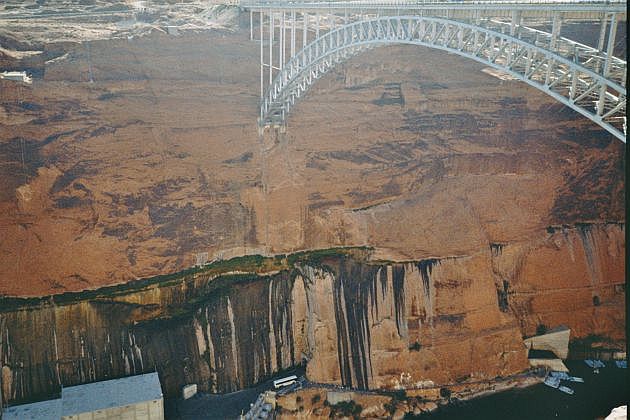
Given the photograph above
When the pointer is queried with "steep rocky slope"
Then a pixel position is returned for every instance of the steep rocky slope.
(490, 209)
(158, 160)
(353, 321)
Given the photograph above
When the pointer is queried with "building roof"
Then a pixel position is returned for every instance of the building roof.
(113, 393)
(43, 410)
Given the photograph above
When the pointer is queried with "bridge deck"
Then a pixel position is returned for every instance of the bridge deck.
(508, 6)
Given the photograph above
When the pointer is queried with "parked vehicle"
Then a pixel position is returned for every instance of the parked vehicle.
(280, 383)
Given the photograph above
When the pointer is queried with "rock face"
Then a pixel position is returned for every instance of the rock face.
(157, 161)
(399, 325)
(490, 210)
(353, 321)
(219, 342)
(572, 277)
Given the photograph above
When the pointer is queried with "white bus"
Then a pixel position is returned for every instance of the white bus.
(289, 380)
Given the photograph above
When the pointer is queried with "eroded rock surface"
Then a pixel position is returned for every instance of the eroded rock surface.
(353, 321)
(158, 160)
(490, 208)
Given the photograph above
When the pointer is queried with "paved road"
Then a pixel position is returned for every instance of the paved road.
(219, 406)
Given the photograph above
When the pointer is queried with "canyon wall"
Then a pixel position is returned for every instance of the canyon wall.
(490, 211)
(354, 321)
(572, 276)
(157, 162)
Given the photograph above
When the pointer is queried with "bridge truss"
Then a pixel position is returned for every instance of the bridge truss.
(588, 79)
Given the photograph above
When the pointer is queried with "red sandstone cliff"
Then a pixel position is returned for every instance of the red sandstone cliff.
(425, 159)
(159, 160)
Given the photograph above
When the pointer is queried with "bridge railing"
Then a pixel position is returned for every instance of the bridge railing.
(415, 3)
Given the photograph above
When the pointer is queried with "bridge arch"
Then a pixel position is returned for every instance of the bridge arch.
(558, 72)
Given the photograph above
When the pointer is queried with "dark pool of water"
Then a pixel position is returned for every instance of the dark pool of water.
(592, 399)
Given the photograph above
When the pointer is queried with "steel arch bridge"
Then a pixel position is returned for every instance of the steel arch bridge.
(586, 79)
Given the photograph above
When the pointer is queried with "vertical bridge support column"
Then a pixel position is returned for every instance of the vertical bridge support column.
(317, 33)
(304, 29)
(515, 26)
(262, 54)
(555, 30)
(271, 31)
(611, 43)
(292, 34)
(612, 34)
(602, 32)
(602, 38)
(515, 23)
(555, 34)
(251, 25)
(281, 55)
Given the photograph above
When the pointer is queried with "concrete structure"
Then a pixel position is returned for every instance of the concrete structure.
(189, 391)
(619, 413)
(43, 410)
(588, 79)
(16, 76)
(556, 341)
(549, 364)
(135, 398)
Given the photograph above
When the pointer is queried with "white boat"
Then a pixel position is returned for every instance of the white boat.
(566, 390)
(565, 376)
(562, 375)
(552, 382)
(595, 364)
